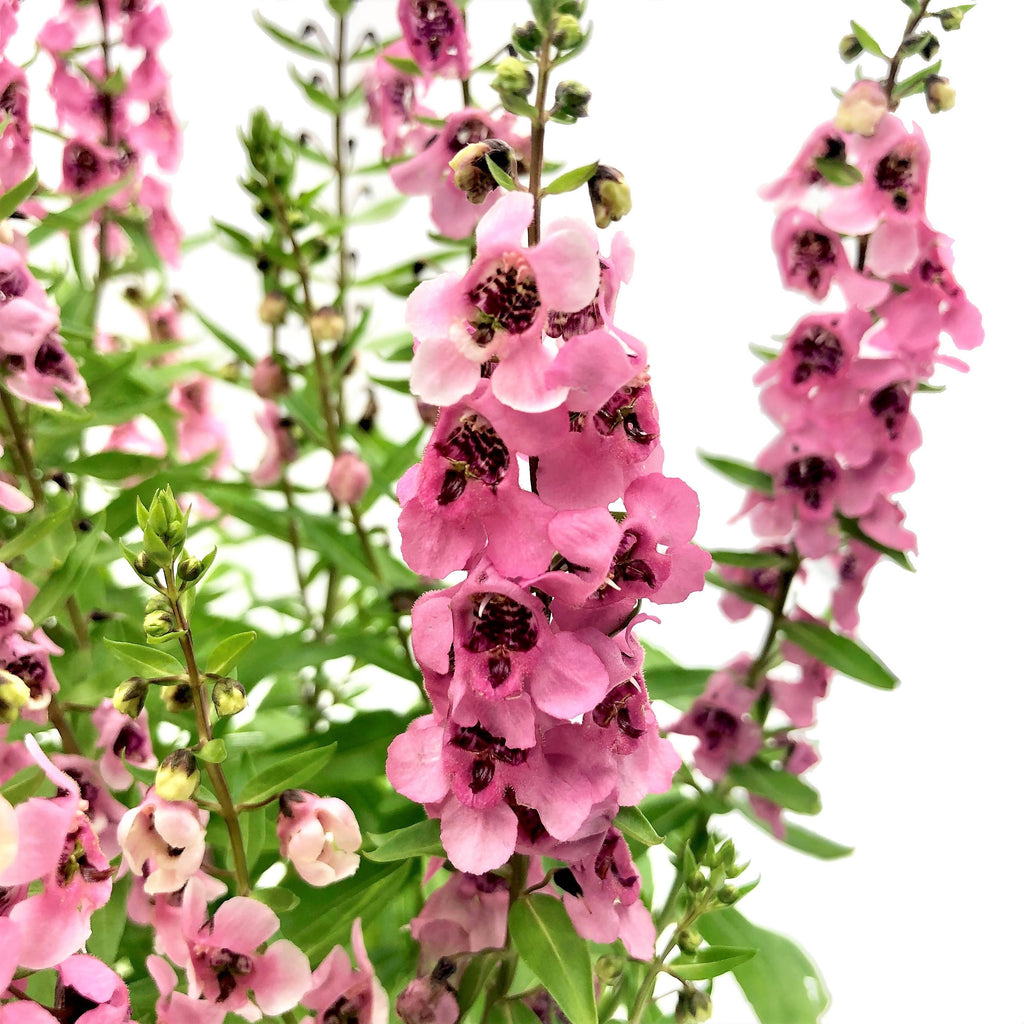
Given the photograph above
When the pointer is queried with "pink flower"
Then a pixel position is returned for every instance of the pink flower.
(466, 914)
(319, 835)
(200, 430)
(348, 479)
(16, 139)
(436, 36)
(121, 735)
(176, 1007)
(90, 984)
(825, 142)
(392, 104)
(163, 841)
(8, 834)
(281, 446)
(428, 1000)
(224, 962)
(339, 992)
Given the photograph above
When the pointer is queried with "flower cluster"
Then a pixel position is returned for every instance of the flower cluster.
(541, 726)
(851, 212)
(119, 119)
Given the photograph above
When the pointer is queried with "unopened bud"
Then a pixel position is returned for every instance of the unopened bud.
(327, 324)
(609, 968)
(694, 1005)
(130, 695)
(566, 32)
(273, 308)
(190, 569)
(728, 894)
(512, 77)
(951, 18)
(158, 603)
(158, 624)
(571, 99)
(228, 697)
(145, 566)
(850, 48)
(697, 883)
(939, 94)
(269, 379)
(690, 941)
(471, 173)
(863, 105)
(609, 196)
(177, 778)
(177, 697)
(527, 37)
(726, 853)
(573, 7)
(349, 478)
(14, 695)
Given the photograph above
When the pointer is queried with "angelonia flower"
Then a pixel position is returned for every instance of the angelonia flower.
(119, 122)
(541, 727)
(319, 835)
(840, 391)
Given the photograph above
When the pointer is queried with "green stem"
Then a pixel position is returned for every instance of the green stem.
(897, 59)
(759, 665)
(537, 135)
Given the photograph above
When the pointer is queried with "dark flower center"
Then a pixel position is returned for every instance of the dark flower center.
(487, 749)
(31, 672)
(582, 321)
(129, 741)
(621, 410)
(607, 861)
(470, 131)
(433, 24)
(627, 569)
(717, 726)
(12, 284)
(616, 708)
(566, 881)
(895, 174)
(816, 351)
(891, 405)
(81, 165)
(810, 251)
(811, 475)
(500, 627)
(476, 452)
(507, 298)
(228, 965)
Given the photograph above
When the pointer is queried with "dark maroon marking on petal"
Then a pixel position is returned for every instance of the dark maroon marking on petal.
(811, 475)
(818, 352)
(891, 405)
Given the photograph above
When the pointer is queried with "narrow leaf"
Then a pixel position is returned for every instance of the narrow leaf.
(633, 823)
(842, 653)
(777, 785)
(852, 528)
(226, 654)
(22, 785)
(500, 176)
(747, 593)
(750, 559)
(549, 944)
(710, 962)
(13, 198)
(571, 180)
(838, 172)
(915, 83)
(797, 837)
(287, 773)
(421, 839)
(866, 40)
(214, 752)
(279, 899)
(741, 473)
(32, 535)
(404, 64)
(145, 661)
(289, 41)
(76, 214)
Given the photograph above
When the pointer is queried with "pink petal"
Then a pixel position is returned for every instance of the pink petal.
(281, 978)
(441, 374)
(242, 924)
(566, 267)
(478, 840)
(504, 224)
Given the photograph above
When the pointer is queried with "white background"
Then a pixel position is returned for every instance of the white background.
(699, 104)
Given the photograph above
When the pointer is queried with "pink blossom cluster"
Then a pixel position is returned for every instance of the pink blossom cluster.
(119, 119)
(840, 391)
(434, 38)
(16, 136)
(541, 727)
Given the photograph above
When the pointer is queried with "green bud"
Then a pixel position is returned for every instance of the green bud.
(609, 968)
(951, 18)
(573, 7)
(512, 77)
(14, 695)
(698, 883)
(177, 778)
(726, 853)
(273, 309)
(527, 37)
(158, 603)
(939, 94)
(850, 48)
(571, 99)
(566, 32)
(228, 697)
(157, 624)
(177, 697)
(190, 569)
(609, 196)
(694, 1005)
(176, 534)
(471, 173)
(130, 695)
(690, 941)
(144, 565)
(728, 895)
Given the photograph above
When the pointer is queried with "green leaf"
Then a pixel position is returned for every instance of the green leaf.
(419, 840)
(710, 962)
(747, 593)
(777, 785)
(214, 752)
(226, 654)
(633, 823)
(503, 179)
(851, 527)
(842, 653)
(287, 773)
(108, 924)
(13, 198)
(915, 83)
(76, 214)
(32, 535)
(254, 830)
(750, 559)
(549, 944)
(837, 171)
(289, 41)
(404, 64)
(797, 837)
(65, 580)
(279, 899)
(667, 681)
(781, 983)
(571, 180)
(117, 465)
(517, 105)
(22, 785)
(741, 473)
(224, 338)
(317, 96)
(866, 40)
(145, 661)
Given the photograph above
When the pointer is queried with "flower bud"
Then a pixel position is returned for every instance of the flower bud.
(690, 941)
(609, 196)
(273, 309)
(609, 968)
(694, 1005)
(863, 105)
(728, 894)
(158, 603)
(571, 99)
(512, 78)
(427, 1001)
(566, 32)
(176, 697)
(190, 569)
(228, 697)
(527, 37)
(951, 18)
(327, 324)
(269, 378)
(177, 778)
(850, 48)
(130, 695)
(14, 695)
(145, 566)
(349, 478)
(471, 173)
(938, 94)
(158, 624)
(573, 7)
